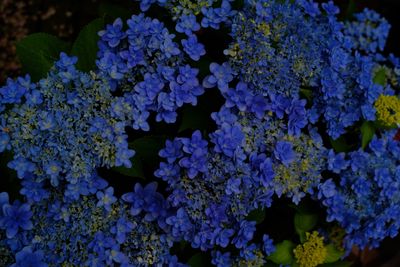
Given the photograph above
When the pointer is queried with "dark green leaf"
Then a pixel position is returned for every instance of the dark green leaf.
(38, 52)
(9, 181)
(380, 77)
(340, 144)
(351, 9)
(306, 93)
(147, 147)
(333, 254)
(203, 65)
(257, 215)
(114, 11)
(304, 222)
(198, 260)
(194, 118)
(85, 46)
(380, 125)
(302, 237)
(283, 253)
(367, 133)
(135, 171)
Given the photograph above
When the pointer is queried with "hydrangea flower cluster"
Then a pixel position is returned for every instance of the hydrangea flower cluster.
(292, 49)
(369, 32)
(215, 187)
(277, 48)
(366, 201)
(185, 12)
(62, 128)
(293, 79)
(93, 230)
(146, 64)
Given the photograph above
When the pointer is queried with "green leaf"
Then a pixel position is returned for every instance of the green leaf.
(114, 11)
(85, 46)
(198, 260)
(257, 215)
(135, 171)
(380, 77)
(203, 65)
(304, 222)
(380, 125)
(306, 93)
(146, 151)
(147, 147)
(194, 118)
(333, 254)
(367, 133)
(283, 253)
(351, 9)
(38, 52)
(340, 144)
(9, 180)
(302, 237)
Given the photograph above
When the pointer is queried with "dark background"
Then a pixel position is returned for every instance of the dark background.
(64, 19)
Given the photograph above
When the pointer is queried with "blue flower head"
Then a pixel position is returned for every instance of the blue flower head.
(14, 217)
(193, 48)
(53, 169)
(106, 198)
(147, 199)
(337, 162)
(29, 258)
(22, 166)
(245, 234)
(268, 245)
(4, 141)
(284, 152)
(221, 76)
(13, 91)
(221, 259)
(187, 24)
(228, 139)
(113, 34)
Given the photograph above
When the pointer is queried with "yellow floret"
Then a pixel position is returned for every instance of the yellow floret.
(312, 252)
(388, 110)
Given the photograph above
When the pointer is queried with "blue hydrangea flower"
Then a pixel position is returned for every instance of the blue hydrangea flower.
(22, 166)
(106, 198)
(68, 131)
(336, 162)
(284, 152)
(368, 32)
(27, 257)
(364, 201)
(194, 49)
(268, 245)
(187, 24)
(113, 34)
(146, 66)
(14, 217)
(221, 76)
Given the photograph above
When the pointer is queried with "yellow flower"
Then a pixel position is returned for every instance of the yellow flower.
(388, 110)
(312, 252)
